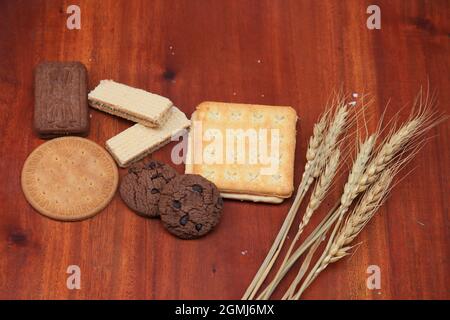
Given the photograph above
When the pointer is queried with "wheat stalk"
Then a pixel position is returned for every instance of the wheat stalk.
(351, 189)
(339, 246)
(368, 175)
(375, 181)
(307, 179)
(328, 157)
(396, 143)
(319, 192)
(335, 126)
(338, 124)
(350, 193)
(326, 133)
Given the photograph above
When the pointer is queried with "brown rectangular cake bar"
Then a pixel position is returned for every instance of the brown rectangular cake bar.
(60, 105)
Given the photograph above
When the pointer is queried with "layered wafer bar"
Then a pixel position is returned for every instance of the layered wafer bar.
(134, 104)
(138, 141)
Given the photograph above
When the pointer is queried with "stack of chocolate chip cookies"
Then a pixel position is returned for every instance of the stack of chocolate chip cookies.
(189, 205)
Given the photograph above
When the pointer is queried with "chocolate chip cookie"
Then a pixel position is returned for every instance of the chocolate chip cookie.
(190, 206)
(141, 188)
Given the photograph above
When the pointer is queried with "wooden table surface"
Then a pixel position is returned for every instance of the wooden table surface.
(269, 52)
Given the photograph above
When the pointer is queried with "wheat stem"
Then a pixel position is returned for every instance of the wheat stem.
(338, 246)
(317, 156)
(351, 189)
(318, 232)
(307, 179)
(317, 196)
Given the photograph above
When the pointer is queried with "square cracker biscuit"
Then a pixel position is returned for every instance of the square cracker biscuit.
(246, 179)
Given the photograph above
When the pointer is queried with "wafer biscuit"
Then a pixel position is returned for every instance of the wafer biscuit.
(134, 104)
(244, 180)
(138, 141)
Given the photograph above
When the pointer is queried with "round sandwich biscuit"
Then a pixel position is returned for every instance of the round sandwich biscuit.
(190, 206)
(69, 178)
(141, 188)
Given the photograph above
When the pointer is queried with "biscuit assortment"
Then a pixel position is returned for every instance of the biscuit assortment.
(72, 178)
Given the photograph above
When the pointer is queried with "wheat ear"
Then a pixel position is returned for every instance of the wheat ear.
(321, 188)
(380, 171)
(314, 144)
(421, 120)
(359, 217)
(351, 191)
(336, 128)
(351, 187)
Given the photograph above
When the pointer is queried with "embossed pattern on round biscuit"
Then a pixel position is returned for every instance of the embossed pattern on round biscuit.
(69, 178)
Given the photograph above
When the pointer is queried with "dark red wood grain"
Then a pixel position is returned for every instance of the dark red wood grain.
(270, 52)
